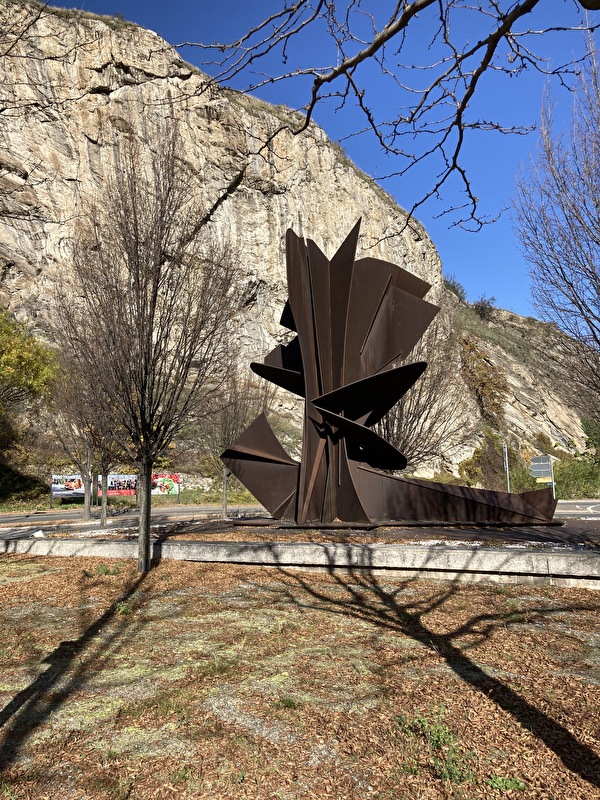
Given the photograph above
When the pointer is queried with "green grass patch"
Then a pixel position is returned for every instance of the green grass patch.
(124, 609)
(450, 762)
(102, 569)
(434, 731)
(6, 793)
(287, 703)
(506, 784)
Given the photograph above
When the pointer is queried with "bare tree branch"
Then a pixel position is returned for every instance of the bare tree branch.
(428, 425)
(427, 110)
(557, 220)
(244, 397)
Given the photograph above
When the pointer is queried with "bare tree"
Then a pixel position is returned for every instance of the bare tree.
(244, 397)
(75, 442)
(431, 57)
(85, 430)
(148, 312)
(428, 425)
(557, 220)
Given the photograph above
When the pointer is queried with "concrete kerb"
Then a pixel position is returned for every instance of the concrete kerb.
(560, 566)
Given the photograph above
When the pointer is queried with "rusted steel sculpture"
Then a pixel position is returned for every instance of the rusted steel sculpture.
(354, 321)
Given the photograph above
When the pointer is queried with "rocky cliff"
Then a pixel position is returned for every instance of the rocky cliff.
(77, 81)
(73, 82)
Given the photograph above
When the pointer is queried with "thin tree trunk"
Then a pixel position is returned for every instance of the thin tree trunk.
(225, 492)
(104, 500)
(87, 487)
(95, 489)
(145, 488)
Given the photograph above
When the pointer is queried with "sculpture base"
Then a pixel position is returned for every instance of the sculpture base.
(284, 524)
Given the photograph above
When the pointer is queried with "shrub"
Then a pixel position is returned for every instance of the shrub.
(591, 428)
(484, 307)
(454, 286)
(520, 479)
(485, 468)
(543, 443)
(577, 478)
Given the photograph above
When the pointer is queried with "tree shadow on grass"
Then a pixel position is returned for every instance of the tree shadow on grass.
(358, 593)
(68, 666)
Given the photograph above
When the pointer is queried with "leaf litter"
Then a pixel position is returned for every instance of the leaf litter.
(214, 681)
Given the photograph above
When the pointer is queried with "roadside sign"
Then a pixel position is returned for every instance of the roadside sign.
(541, 467)
(540, 472)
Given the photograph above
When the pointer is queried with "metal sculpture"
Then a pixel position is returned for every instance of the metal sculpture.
(354, 321)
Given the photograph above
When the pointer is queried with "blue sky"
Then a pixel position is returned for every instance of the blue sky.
(487, 262)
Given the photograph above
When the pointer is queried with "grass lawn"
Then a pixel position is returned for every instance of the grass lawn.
(221, 681)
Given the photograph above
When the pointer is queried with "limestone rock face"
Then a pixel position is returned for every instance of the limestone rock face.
(77, 83)
(74, 83)
(539, 397)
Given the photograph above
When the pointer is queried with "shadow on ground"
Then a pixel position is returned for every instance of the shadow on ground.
(360, 594)
(66, 672)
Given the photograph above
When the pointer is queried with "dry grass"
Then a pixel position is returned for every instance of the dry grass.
(214, 681)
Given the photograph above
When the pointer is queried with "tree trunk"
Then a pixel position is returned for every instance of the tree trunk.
(225, 492)
(87, 487)
(104, 500)
(95, 489)
(145, 488)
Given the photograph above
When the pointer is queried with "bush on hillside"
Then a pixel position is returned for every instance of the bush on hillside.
(577, 478)
(454, 286)
(484, 307)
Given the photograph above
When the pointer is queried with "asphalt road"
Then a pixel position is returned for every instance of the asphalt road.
(27, 523)
(578, 509)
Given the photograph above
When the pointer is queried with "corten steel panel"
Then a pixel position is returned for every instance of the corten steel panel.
(354, 319)
(400, 322)
(366, 268)
(259, 440)
(286, 356)
(270, 482)
(330, 284)
(319, 500)
(350, 506)
(342, 268)
(259, 461)
(373, 281)
(319, 275)
(287, 318)
(543, 500)
(313, 468)
(374, 450)
(407, 499)
(368, 400)
(290, 381)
